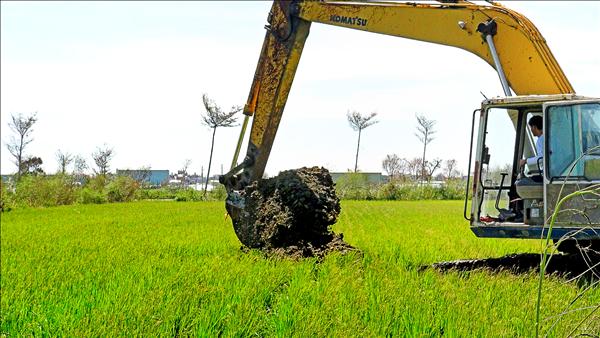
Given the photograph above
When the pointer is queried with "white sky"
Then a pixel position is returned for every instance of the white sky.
(131, 75)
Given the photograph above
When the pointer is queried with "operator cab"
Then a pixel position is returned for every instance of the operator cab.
(515, 201)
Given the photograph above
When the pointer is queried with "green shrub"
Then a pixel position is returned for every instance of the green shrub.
(354, 186)
(122, 189)
(451, 190)
(46, 191)
(90, 196)
(454, 190)
(218, 193)
(97, 183)
(65, 189)
(7, 197)
(389, 191)
(189, 195)
(157, 194)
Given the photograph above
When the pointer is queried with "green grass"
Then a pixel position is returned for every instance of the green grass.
(167, 268)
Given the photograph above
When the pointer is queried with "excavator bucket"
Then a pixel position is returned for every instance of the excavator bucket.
(244, 230)
(294, 208)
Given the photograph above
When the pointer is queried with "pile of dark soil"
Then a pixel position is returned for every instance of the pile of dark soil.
(567, 265)
(291, 214)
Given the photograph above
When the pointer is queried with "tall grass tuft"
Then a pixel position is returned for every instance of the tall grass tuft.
(548, 250)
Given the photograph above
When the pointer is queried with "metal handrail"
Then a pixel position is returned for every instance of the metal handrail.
(469, 168)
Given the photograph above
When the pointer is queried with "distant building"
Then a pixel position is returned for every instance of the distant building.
(151, 176)
(374, 178)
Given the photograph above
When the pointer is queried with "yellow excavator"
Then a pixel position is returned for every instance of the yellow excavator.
(516, 203)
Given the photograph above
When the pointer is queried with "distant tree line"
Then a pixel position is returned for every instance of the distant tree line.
(31, 186)
(404, 169)
(102, 186)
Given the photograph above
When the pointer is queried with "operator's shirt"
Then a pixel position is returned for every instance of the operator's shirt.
(539, 151)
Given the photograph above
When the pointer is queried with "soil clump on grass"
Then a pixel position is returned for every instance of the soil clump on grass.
(568, 265)
(291, 214)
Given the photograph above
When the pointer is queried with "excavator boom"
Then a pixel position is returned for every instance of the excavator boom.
(528, 62)
(518, 52)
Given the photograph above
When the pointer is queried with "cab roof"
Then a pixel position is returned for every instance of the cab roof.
(531, 100)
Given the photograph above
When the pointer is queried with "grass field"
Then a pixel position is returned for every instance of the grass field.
(169, 268)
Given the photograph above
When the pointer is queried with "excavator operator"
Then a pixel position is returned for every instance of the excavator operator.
(537, 129)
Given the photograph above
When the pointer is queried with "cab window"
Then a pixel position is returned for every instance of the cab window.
(573, 141)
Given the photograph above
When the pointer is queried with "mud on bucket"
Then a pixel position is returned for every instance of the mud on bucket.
(295, 208)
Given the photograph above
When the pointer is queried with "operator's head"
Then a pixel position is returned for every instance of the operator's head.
(536, 124)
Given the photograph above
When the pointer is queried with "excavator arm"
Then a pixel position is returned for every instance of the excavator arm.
(506, 40)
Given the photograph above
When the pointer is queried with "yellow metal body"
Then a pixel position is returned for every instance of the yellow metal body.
(528, 64)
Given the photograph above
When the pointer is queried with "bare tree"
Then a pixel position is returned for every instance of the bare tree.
(415, 166)
(63, 159)
(432, 166)
(79, 166)
(424, 134)
(186, 165)
(23, 126)
(102, 157)
(142, 175)
(450, 168)
(359, 122)
(393, 165)
(214, 118)
(184, 171)
(404, 168)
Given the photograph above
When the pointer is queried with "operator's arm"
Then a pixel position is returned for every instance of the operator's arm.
(539, 152)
